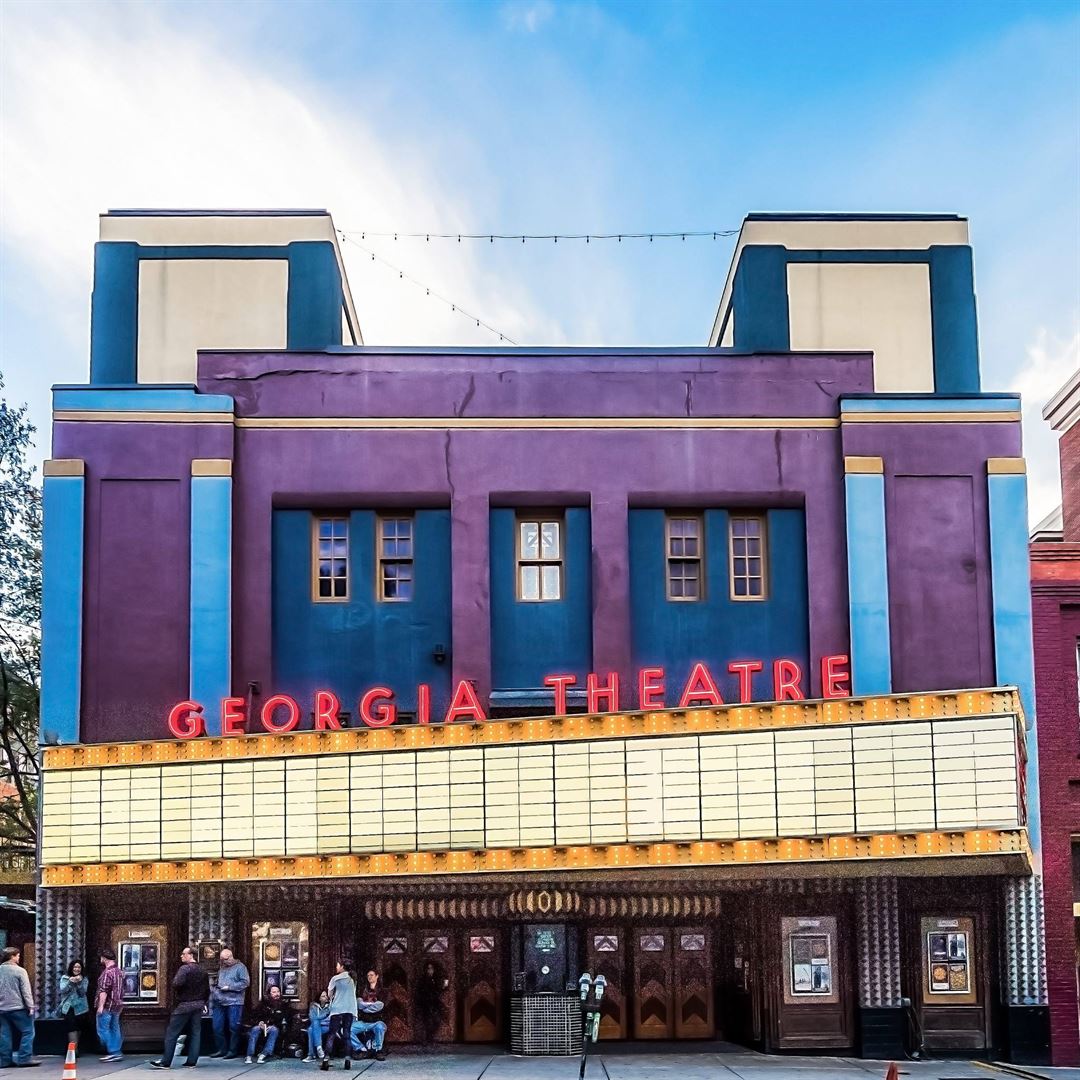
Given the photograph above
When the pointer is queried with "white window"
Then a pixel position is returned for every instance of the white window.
(330, 562)
(395, 558)
(539, 558)
(685, 542)
(746, 542)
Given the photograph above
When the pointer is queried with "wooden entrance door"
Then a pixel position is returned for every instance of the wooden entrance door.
(395, 949)
(694, 994)
(482, 985)
(673, 983)
(605, 954)
(437, 949)
(653, 983)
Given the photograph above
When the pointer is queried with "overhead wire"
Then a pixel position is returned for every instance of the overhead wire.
(491, 237)
(429, 291)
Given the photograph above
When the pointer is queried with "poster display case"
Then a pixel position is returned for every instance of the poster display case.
(810, 951)
(141, 954)
(281, 957)
(948, 946)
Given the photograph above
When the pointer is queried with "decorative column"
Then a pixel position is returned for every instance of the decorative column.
(868, 576)
(63, 503)
(211, 586)
(211, 916)
(877, 931)
(60, 938)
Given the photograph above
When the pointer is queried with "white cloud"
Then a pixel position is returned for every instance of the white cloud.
(1049, 362)
(527, 16)
(107, 106)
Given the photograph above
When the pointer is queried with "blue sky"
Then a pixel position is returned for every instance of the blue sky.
(548, 117)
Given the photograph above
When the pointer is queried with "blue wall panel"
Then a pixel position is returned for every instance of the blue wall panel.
(63, 502)
(1010, 577)
(211, 593)
(530, 640)
(868, 584)
(676, 634)
(349, 647)
(315, 296)
(114, 313)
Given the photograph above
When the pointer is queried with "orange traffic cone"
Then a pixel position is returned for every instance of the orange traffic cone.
(69, 1064)
(892, 1073)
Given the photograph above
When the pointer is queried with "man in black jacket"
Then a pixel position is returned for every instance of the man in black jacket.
(191, 992)
(268, 1021)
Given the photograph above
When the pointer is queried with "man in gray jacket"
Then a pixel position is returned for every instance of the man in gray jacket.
(16, 1013)
(227, 1004)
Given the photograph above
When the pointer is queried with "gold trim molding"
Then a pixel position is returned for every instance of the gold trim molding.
(1006, 466)
(211, 467)
(64, 467)
(552, 423)
(958, 417)
(864, 465)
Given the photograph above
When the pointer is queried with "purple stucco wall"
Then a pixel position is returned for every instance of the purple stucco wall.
(470, 470)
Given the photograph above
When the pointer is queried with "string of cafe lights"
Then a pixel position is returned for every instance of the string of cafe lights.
(428, 290)
(618, 237)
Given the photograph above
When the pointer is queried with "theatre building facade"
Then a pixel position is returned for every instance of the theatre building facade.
(707, 669)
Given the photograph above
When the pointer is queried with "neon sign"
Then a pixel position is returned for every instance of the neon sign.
(281, 713)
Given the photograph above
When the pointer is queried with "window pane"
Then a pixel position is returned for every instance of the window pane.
(340, 586)
(340, 568)
(677, 587)
(530, 583)
(326, 527)
(755, 587)
(324, 568)
(405, 587)
(740, 587)
(530, 540)
(324, 586)
(753, 527)
(552, 582)
(740, 567)
(549, 540)
(690, 546)
(690, 589)
(754, 566)
(677, 545)
(341, 548)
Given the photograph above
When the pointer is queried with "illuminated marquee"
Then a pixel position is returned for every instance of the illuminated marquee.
(281, 713)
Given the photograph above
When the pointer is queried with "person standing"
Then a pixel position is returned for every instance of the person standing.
(429, 1003)
(191, 986)
(74, 1004)
(108, 1005)
(342, 991)
(16, 1013)
(227, 1005)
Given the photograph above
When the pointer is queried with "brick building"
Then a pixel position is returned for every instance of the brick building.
(1055, 588)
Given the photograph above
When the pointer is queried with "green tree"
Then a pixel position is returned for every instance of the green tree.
(20, 635)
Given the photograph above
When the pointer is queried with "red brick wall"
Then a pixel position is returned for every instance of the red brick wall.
(1056, 626)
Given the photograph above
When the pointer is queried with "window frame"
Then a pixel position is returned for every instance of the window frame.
(317, 517)
(759, 517)
(689, 515)
(540, 518)
(381, 560)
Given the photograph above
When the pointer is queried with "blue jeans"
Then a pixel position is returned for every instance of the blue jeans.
(108, 1031)
(227, 1017)
(253, 1040)
(16, 1037)
(362, 1029)
(315, 1035)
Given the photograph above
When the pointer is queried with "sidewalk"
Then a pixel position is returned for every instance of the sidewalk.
(736, 1065)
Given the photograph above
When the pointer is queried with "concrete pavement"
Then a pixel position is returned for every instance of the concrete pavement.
(738, 1064)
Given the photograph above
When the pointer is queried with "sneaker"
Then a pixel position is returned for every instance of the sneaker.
(113, 1057)
(260, 1059)
(248, 1061)
(26, 1064)
(321, 1052)
(158, 1065)
(218, 1053)
(309, 1059)
(229, 1056)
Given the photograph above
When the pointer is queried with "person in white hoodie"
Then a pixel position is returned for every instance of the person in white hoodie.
(342, 991)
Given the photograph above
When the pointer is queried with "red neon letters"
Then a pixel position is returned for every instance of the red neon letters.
(376, 708)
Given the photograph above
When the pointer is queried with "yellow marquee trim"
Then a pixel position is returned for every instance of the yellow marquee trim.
(830, 849)
(211, 467)
(759, 717)
(441, 423)
(855, 464)
(997, 466)
(165, 417)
